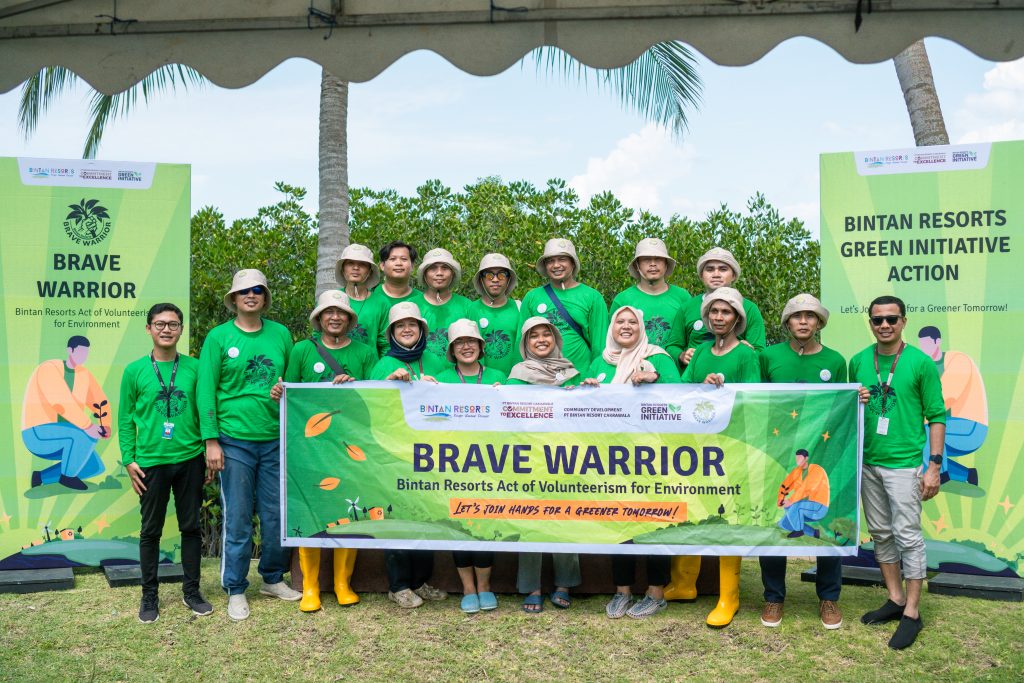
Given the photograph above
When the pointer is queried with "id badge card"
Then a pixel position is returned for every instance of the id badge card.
(883, 426)
(168, 430)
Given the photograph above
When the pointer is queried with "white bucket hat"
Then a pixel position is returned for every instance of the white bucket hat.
(719, 254)
(651, 247)
(362, 254)
(403, 310)
(730, 296)
(805, 302)
(559, 247)
(463, 327)
(435, 256)
(532, 323)
(337, 299)
(495, 261)
(246, 279)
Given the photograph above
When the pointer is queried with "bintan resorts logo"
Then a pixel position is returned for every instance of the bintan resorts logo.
(88, 223)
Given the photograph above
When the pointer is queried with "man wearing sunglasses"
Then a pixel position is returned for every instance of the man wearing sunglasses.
(161, 447)
(901, 390)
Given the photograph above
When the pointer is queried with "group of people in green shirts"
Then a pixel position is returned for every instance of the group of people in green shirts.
(378, 326)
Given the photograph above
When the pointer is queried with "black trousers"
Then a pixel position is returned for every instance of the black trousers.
(481, 559)
(408, 568)
(624, 569)
(185, 480)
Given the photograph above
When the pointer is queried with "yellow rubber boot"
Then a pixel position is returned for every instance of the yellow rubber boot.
(344, 564)
(309, 561)
(683, 586)
(729, 592)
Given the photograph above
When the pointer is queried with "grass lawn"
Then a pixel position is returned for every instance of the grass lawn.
(92, 633)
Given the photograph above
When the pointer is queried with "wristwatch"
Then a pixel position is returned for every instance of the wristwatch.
(935, 458)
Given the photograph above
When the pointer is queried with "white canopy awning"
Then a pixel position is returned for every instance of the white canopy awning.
(113, 44)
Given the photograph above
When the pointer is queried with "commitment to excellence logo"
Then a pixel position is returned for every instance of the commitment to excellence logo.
(88, 223)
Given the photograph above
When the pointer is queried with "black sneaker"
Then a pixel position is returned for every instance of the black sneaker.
(906, 633)
(74, 483)
(890, 611)
(149, 610)
(198, 604)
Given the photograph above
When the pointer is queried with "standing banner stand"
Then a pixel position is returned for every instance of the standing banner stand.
(943, 229)
(87, 248)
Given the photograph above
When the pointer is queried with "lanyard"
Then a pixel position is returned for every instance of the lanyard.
(886, 388)
(409, 368)
(479, 375)
(167, 390)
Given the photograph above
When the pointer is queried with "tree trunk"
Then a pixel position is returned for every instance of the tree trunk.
(915, 74)
(333, 236)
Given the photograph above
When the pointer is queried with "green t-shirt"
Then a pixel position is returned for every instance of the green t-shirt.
(388, 364)
(586, 306)
(386, 302)
(780, 363)
(604, 371)
(916, 396)
(372, 313)
(305, 364)
(144, 407)
(500, 329)
(739, 365)
(490, 376)
(571, 382)
(439, 317)
(659, 310)
(237, 370)
(688, 329)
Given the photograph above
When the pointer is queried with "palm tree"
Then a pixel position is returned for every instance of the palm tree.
(914, 72)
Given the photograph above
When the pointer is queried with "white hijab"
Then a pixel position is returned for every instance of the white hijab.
(628, 361)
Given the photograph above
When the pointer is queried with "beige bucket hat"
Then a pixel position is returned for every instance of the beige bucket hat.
(337, 299)
(730, 296)
(246, 279)
(463, 327)
(495, 261)
(403, 310)
(805, 302)
(362, 254)
(532, 323)
(651, 247)
(435, 256)
(559, 246)
(719, 254)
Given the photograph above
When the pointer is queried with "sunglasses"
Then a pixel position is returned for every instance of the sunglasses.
(257, 290)
(877, 320)
(496, 276)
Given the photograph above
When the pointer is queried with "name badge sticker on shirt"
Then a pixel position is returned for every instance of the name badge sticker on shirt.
(883, 426)
(168, 430)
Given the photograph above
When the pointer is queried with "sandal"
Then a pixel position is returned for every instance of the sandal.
(561, 599)
(533, 601)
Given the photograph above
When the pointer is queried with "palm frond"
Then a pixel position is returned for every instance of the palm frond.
(39, 92)
(662, 84)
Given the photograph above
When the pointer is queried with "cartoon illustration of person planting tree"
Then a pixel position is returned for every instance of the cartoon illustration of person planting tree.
(804, 494)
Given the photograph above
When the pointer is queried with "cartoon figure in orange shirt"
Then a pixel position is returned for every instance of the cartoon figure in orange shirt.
(963, 392)
(804, 494)
(60, 399)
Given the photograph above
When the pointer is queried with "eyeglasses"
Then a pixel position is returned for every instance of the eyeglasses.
(877, 320)
(257, 290)
(162, 325)
(463, 341)
(496, 276)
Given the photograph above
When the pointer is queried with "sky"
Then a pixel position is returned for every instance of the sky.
(759, 128)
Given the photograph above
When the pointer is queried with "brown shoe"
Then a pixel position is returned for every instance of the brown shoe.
(771, 614)
(831, 617)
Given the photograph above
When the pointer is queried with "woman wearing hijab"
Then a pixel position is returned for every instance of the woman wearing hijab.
(465, 347)
(540, 345)
(628, 358)
(331, 357)
(240, 361)
(496, 312)
(357, 274)
(408, 570)
(724, 359)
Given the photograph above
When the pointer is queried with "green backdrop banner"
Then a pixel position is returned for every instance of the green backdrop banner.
(659, 469)
(88, 247)
(942, 228)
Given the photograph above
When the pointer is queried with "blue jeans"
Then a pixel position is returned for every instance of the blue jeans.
(799, 513)
(67, 443)
(251, 480)
(963, 437)
(828, 582)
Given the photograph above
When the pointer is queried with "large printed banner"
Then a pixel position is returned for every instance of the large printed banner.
(943, 229)
(659, 469)
(87, 248)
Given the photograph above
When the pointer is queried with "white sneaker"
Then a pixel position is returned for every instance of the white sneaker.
(238, 607)
(280, 590)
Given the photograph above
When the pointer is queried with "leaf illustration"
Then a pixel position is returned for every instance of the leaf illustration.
(329, 483)
(355, 452)
(318, 424)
